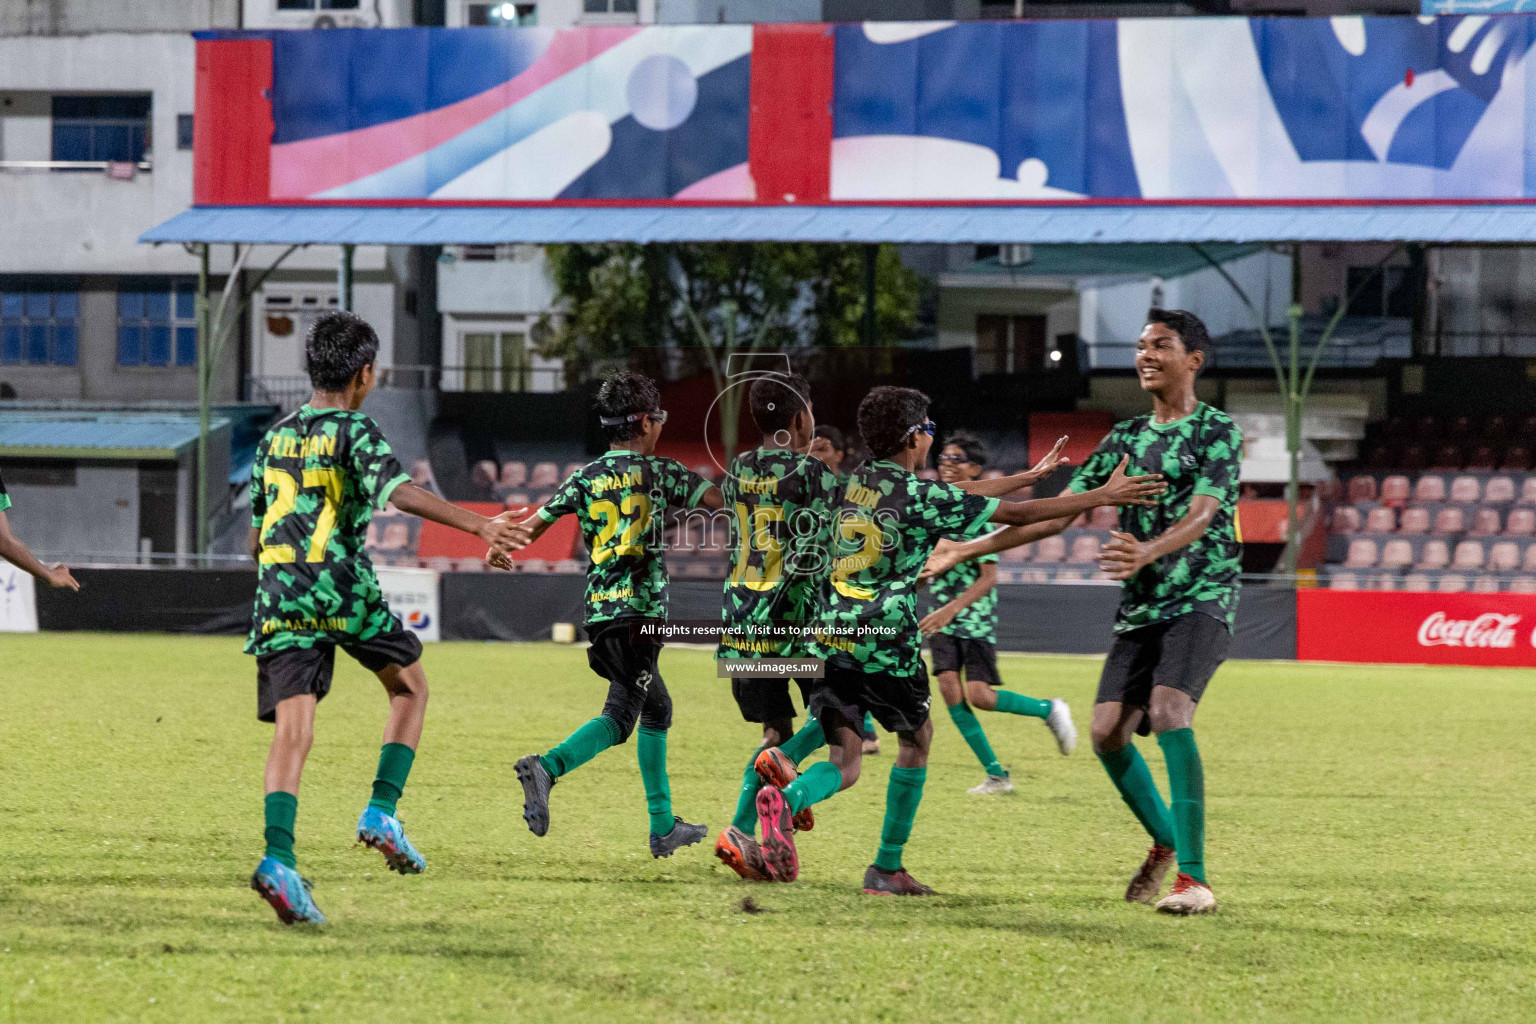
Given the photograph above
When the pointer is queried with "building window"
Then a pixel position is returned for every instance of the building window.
(317, 5)
(100, 128)
(1010, 344)
(183, 131)
(1379, 291)
(156, 322)
(39, 323)
(496, 14)
(610, 6)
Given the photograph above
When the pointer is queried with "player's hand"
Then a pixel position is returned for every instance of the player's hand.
(1046, 466)
(506, 532)
(498, 560)
(939, 563)
(821, 448)
(59, 576)
(937, 620)
(1123, 556)
(1121, 489)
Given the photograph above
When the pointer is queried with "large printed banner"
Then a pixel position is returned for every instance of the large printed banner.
(1416, 628)
(1347, 108)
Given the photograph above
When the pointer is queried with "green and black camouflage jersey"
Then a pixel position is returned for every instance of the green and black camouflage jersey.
(780, 505)
(319, 476)
(621, 499)
(1199, 454)
(5, 499)
(888, 523)
(977, 620)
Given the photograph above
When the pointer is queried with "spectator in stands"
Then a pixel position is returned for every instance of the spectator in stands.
(828, 446)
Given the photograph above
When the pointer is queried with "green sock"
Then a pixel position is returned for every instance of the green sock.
(746, 801)
(1133, 779)
(1186, 787)
(651, 749)
(581, 746)
(970, 728)
(902, 795)
(818, 782)
(394, 768)
(1011, 703)
(804, 743)
(869, 723)
(282, 809)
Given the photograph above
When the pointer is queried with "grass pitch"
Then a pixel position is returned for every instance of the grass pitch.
(1370, 841)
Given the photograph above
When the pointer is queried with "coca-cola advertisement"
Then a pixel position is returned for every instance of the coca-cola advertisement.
(1416, 628)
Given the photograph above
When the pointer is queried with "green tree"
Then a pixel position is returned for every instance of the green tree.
(718, 299)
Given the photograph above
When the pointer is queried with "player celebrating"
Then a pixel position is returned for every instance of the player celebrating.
(1179, 560)
(19, 555)
(888, 523)
(961, 634)
(621, 498)
(319, 475)
(782, 501)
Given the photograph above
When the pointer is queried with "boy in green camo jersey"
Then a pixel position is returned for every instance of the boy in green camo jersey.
(1179, 560)
(19, 555)
(319, 475)
(887, 525)
(961, 632)
(782, 501)
(622, 498)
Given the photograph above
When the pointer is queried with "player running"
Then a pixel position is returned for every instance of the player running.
(621, 499)
(1179, 559)
(319, 475)
(782, 501)
(19, 555)
(962, 635)
(888, 523)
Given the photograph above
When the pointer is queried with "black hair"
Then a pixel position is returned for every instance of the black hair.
(338, 347)
(1190, 329)
(624, 394)
(886, 417)
(776, 399)
(975, 451)
(834, 435)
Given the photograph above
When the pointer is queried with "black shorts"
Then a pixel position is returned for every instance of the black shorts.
(766, 700)
(1182, 653)
(898, 704)
(308, 670)
(628, 662)
(977, 657)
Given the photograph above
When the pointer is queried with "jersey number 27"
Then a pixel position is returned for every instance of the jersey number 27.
(287, 495)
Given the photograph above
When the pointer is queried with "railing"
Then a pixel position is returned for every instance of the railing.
(142, 166)
(290, 392)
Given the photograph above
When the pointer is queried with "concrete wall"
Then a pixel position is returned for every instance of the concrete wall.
(74, 17)
(100, 513)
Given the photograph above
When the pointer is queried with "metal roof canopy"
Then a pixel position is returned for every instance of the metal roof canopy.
(1038, 223)
(97, 435)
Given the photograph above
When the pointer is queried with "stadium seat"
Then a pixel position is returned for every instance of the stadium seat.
(1528, 491)
(1382, 581)
(1447, 456)
(1481, 459)
(1436, 554)
(1485, 523)
(1485, 584)
(1459, 428)
(1105, 517)
(1495, 429)
(1395, 491)
(483, 473)
(1466, 490)
(1382, 519)
(1416, 582)
(371, 537)
(1343, 581)
(1021, 553)
(1362, 554)
(1517, 459)
(1500, 490)
(1523, 585)
(1054, 549)
(1080, 523)
(1380, 457)
(1064, 574)
(1415, 522)
(1426, 428)
(543, 497)
(515, 499)
(1347, 520)
(545, 474)
(1411, 457)
(1085, 550)
(421, 474)
(1451, 583)
(1363, 488)
(1429, 489)
(1504, 556)
(1521, 523)
(570, 467)
(514, 473)
(1469, 556)
(1450, 520)
(395, 536)
(1397, 554)
(1034, 575)
(1528, 560)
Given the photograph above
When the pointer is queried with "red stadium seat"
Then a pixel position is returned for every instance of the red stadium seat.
(1450, 520)
(371, 537)
(1362, 554)
(1081, 522)
(514, 473)
(483, 473)
(515, 499)
(1050, 549)
(1447, 456)
(1517, 459)
(1021, 553)
(1500, 490)
(1363, 488)
(1466, 490)
(1381, 519)
(1396, 554)
(1523, 585)
(1085, 550)
(1485, 523)
(1528, 491)
(1415, 521)
(1451, 583)
(1347, 520)
(1521, 523)
(1485, 584)
(1105, 517)
(1528, 560)
(1395, 491)
(571, 467)
(1343, 581)
(1435, 555)
(1469, 556)
(1482, 458)
(1429, 489)
(1504, 556)
(1415, 582)
(545, 474)
(395, 537)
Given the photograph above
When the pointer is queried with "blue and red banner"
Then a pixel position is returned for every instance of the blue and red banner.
(1209, 109)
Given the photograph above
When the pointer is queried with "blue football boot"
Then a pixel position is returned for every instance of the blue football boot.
(281, 886)
(384, 833)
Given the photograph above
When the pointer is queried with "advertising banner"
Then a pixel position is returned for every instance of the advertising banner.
(413, 594)
(18, 600)
(1416, 628)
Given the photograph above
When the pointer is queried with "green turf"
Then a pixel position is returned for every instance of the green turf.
(1370, 841)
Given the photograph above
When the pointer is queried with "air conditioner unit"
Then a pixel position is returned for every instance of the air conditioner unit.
(342, 21)
(1016, 254)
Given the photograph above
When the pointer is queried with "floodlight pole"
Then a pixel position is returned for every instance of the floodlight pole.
(204, 339)
(344, 277)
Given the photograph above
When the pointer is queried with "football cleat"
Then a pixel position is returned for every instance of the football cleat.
(775, 768)
(1189, 896)
(1148, 880)
(386, 833)
(281, 886)
(537, 783)
(993, 784)
(682, 834)
(872, 746)
(893, 883)
(741, 853)
(1059, 721)
(777, 826)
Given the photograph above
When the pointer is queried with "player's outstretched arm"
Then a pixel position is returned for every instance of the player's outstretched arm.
(951, 553)
(1001, 486)
(945, 614)
(524, 533)
(19, 555)
(499, 532)
(1119, 489)
(1123, 556)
